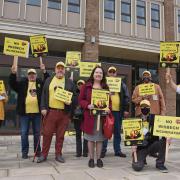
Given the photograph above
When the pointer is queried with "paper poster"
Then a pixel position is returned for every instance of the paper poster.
(16, 47)
(87, 67)
(169, 54)
(133, 132)
(146, 89)
(2, 87)
(63, 95)
(100, 99)
(39, 45)
(73, 59)
(114, 84)
(167, 126)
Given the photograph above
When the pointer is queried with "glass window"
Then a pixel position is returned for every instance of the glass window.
(34, 2)
(54, 4)
(155, 15)
(126, 10)
(109, 9)
(14, 1)
(141, 12)
(74, 6)
(179, 21)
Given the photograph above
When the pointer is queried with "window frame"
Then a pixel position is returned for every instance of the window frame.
(140, 17)
(75, 5)
(178, 21)
(12, 1)
(109, 11)
(154, 20)
(126, 14)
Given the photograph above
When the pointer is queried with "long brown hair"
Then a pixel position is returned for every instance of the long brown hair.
(103, 81)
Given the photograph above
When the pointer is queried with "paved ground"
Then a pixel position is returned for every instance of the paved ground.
(12, 167)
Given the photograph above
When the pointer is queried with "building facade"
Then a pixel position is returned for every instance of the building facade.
(126, 33)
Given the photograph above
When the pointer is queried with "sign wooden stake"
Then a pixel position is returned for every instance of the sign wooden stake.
(98, 122)
(168, 72)
(15, 62)
(167, 150)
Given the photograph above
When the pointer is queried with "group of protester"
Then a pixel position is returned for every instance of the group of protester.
(36, 103)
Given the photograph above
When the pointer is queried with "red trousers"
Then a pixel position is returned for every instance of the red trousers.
(56, 121)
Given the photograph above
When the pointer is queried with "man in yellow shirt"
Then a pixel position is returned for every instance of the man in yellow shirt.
(120, 108)
(56, 113)
(29, 91)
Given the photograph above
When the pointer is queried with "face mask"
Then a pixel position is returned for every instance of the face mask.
(146, 79)
(145, 111)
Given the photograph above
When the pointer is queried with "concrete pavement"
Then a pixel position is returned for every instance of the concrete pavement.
(12, 167)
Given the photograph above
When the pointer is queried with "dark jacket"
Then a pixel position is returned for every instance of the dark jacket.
(21, 87)
(69, 86)
(124, 98)
(84, 101)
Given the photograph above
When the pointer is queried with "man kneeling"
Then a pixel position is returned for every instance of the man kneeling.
(151, 144)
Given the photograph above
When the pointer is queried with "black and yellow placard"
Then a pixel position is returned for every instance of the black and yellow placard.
(73, 59)
(146, 89)
(169, 54)
(114, 84)
(133, 132)
(167, 126)
(87, 67)
(16, 47)
(2, 87)
(63, 95)
(100, 99)
(39, 45)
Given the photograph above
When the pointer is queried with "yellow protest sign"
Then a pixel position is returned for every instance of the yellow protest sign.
(169, 54)
(87, 67)
(39, 45)
(16, 47)
(73, 59)
(63, 95)
(146, 89)
(114, 84)
(2, 87)
(167, 126)
(133, 132)
(100, 99)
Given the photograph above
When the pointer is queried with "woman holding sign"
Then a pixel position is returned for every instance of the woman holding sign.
(91, 127)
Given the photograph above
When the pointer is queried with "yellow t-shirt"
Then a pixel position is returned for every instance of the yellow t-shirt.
(115, 101)
(31, 99)
(54, 103)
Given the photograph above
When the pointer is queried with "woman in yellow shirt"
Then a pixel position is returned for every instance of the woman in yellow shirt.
(3, 100)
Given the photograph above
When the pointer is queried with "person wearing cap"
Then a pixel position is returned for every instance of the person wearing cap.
(81, 148)
(172, 83)
(120, 109)
(157, 100)
(55, 112)
(28, 91)
(151, 144)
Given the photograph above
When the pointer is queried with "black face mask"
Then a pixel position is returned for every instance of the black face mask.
(146, 79)
(145, 111)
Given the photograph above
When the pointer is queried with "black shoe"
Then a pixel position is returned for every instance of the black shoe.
(38, 154)
(60, 159)
(91, 163)
(41, 159)
(162, 168)
(120, 154)
(85, 155)
(103, 154)
(145, 162)
(99, 163)
(78, 155)
(24, 156)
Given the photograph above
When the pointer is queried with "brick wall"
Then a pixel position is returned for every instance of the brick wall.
(90, 51)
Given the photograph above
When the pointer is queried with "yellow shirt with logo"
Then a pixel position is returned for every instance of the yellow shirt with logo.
(31, 99)
(54, 103)
(115, 101)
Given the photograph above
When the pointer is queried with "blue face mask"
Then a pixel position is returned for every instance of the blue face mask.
(145, 111)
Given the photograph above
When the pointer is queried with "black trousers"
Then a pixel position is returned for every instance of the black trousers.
(79, 149)
(155, 147)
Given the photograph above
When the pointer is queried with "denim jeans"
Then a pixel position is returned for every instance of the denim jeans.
(25, 125)
(117, 133)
